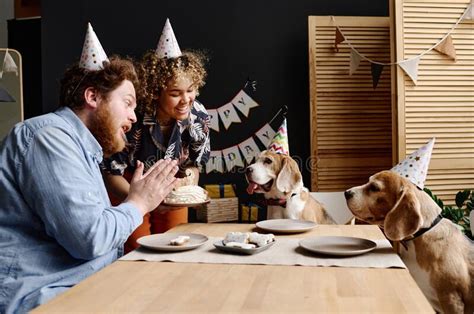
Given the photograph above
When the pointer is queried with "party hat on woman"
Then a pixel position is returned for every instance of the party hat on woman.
(168, 45)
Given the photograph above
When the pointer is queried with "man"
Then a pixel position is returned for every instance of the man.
(56, 223)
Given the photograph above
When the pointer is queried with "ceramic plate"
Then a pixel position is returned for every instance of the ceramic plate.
(338, 246)
(220, 245)
(286, 225)
(187, 204)
(161, 242)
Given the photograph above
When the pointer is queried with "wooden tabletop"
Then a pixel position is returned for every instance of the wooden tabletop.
(144, 287)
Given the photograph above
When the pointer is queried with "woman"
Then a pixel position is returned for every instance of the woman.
(171, 124)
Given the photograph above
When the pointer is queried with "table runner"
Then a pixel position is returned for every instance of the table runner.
(285, 251)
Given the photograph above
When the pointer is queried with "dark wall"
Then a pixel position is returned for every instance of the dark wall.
(264, 40)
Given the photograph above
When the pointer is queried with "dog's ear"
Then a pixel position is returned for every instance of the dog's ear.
(405, 218)
(289, 176)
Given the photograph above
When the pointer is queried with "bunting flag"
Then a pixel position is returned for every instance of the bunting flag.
(339, 39)
(410, 67)
(376, 70)
(355, 61)
(232, 158)
(228, 115)
(5, 96)
(215, 162)
(243, 102)
(9, 65)
(470, 12)
(446, 47)
(249, 149)
(279, 143)
(265, 134)
(214, 120)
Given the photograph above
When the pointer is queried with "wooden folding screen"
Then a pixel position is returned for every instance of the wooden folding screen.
(441, 104)
(351, 122)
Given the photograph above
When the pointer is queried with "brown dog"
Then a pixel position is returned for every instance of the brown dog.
(440, 258)
(277, 176)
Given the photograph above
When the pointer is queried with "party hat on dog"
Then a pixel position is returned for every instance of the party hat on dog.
(279, 143)
(168, 45)
(93, 55)
(415, 166)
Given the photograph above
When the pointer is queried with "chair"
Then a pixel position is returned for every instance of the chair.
(336, 206)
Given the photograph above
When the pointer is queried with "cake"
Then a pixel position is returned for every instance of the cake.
(247, 240)
(182, 239)
(188, 194)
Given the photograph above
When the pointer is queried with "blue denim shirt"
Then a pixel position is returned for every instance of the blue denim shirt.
(56, 223)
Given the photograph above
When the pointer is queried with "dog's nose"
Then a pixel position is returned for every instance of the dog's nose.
(248, 170)
(348, 194)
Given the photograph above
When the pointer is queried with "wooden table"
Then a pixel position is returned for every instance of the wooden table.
(144, 287)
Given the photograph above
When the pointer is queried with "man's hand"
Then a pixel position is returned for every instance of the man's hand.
(147, 190)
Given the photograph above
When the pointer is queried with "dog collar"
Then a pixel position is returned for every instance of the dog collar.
(276, 202)
(422, 231)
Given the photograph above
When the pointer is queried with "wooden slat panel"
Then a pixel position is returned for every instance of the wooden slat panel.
(442, 102)
(351, 123)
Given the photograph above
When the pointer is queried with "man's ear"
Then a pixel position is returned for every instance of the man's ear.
(405, 218)
(91, 97)
(289, 176)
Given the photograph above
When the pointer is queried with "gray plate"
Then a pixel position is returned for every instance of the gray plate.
(286, 225)
(338, 246)
(161, 242)
(219, 245)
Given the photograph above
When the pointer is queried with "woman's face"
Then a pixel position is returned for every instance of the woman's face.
(176, 99)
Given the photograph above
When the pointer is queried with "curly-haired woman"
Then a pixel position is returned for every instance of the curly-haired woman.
(171, 124)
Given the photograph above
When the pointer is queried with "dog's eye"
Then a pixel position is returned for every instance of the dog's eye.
(373, 188)
(267, 161)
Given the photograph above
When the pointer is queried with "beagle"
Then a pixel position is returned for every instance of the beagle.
(438, 255)
(277, 176)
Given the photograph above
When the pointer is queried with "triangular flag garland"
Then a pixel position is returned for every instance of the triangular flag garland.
(9, 65)
(376, 70)
(93, 55)
(409, 66)
(355, 61)
(5, 96)
(232, 158)
(249, 149)
(339, 38)
(415, 166)
(243, 102)
(446, 47)
(265, 134)
(215, 162)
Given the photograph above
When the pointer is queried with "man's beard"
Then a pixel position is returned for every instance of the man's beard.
(105, 131)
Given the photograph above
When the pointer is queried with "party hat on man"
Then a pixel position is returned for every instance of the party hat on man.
(415, 166)
(168, 45)
(279, 143)
(93, 55)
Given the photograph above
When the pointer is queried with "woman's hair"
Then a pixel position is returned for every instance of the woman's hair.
(155, 73)
(76, 80)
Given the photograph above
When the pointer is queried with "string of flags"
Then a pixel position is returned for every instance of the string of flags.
(8, 65)
(232, 156)
(228, 114)
(444, 46)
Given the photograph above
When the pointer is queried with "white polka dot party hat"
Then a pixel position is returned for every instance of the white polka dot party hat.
(93, 55)
(279, 143)
(168, 45)
(415, 166)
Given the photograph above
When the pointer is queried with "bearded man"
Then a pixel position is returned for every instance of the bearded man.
(57, 225)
